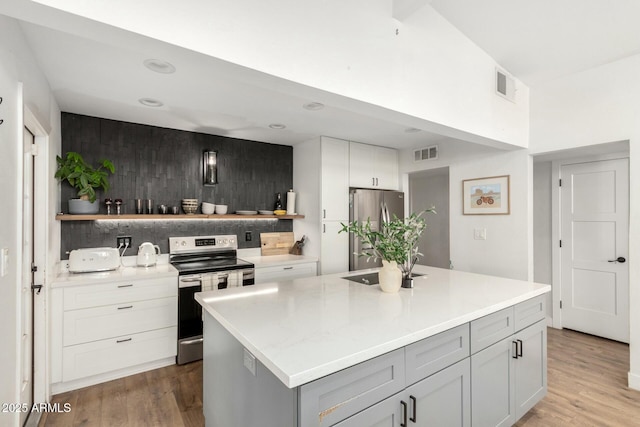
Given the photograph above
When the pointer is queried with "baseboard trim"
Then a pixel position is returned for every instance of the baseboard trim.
(58, 388)
(634, 381)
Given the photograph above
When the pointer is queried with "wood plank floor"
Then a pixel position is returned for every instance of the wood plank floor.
(587, 379)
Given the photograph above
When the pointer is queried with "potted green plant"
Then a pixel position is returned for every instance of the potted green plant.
(85, 178)
(395, 243)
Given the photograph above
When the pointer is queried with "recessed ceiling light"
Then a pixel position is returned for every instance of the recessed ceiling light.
(412, 130)
(159, 66)
(150, 102)
(313, 106)
(277, 126)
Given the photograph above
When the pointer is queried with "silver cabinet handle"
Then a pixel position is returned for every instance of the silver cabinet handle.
(125, 307)
(126, 286)
(373, 182)
(324, 228)
(287, 268)
(324, 213)
(124, 340)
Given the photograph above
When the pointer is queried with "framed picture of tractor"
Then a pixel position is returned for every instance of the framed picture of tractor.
(486, 196)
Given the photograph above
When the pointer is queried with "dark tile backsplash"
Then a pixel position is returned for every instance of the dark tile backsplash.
(166, 165)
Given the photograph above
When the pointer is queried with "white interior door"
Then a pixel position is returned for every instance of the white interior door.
(26, 294)
(594, 230)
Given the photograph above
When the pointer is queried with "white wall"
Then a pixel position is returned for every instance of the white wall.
(423, 67)
(507, 252)
(593, 107)
(20, 79)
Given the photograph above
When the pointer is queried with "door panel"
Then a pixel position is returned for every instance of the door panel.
(594, 229)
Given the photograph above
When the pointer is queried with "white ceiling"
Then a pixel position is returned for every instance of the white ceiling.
(533, 40)
(539, 40)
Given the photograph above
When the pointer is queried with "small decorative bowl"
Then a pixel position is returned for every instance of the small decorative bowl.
(280, 212)
(189, 209)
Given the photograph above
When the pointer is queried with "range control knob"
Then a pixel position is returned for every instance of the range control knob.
(184, 243)
(231, 241)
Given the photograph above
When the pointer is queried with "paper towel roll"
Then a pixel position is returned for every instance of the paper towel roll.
(291, 202)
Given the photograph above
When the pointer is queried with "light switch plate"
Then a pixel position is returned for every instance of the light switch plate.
(250, 362)
(4, 261)
(480, 234)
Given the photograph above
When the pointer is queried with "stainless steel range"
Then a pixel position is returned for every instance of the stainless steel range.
(204, 263)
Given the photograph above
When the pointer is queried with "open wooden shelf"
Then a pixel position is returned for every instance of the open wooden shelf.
(69, 217)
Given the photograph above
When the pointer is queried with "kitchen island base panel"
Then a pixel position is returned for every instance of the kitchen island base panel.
(236, 397)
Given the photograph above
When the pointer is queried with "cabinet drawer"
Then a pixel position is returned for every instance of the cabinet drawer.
(435, 353)
(285, 272)
(98, 357)
(97, 323)
(529, 312)
(335, 397)
(492, 328)
(119, 292)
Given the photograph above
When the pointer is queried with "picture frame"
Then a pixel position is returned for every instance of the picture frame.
(486, 196)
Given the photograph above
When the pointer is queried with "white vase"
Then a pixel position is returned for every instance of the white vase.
(390, 277)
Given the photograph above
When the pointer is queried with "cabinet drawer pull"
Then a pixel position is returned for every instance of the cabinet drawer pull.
(125, 307)
(415, 408)
(519, 345)
(403, 420)
(287, 268)
(324, 213)
(126, 286)
(124, 340)
(515, 350)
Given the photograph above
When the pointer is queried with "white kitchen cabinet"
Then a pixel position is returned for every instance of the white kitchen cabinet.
(321, 180)
(334, 179)
(510, 376)
(334, 254)
(112, 329)
(371, 166)
(285, 272)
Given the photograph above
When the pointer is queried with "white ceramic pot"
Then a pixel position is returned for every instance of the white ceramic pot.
(80, 207)
(390, 277)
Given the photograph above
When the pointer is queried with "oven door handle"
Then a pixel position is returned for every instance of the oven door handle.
(191, 279)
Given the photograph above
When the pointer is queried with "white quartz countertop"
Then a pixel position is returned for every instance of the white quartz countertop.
(319, 325)
(122, 274)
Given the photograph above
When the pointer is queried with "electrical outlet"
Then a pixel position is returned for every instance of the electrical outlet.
(247, 236)
(480, 234)
(122, 241)
(249, 361)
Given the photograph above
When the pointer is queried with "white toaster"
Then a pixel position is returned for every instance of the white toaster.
(93, 259)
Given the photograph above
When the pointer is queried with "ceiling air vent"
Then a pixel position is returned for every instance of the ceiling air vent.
(429, 153)
(505, 85)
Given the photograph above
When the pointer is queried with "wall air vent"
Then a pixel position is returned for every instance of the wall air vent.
(505, 85)
(429, 153)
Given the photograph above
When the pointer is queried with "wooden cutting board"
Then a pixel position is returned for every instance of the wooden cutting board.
(276, 243)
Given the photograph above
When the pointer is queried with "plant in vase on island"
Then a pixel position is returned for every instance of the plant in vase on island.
(85, 178)
(395, 243)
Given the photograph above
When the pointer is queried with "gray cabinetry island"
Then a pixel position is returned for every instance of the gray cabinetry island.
(459, 349)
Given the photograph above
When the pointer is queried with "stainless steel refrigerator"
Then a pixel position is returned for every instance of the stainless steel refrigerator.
(374, 205)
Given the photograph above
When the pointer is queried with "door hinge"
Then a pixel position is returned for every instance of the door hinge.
(34, 150)
(560, 304)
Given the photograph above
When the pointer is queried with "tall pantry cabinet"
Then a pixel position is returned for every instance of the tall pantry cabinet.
(321, 181)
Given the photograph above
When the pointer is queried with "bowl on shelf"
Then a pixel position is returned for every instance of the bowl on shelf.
(221, 209)
(280, 212)
(208, 208)
(190, 206)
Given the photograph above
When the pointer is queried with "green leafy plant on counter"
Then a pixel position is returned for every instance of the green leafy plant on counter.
(395, 240)
(82, 176)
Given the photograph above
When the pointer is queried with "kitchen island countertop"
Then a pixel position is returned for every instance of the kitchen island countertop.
(319, 325)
